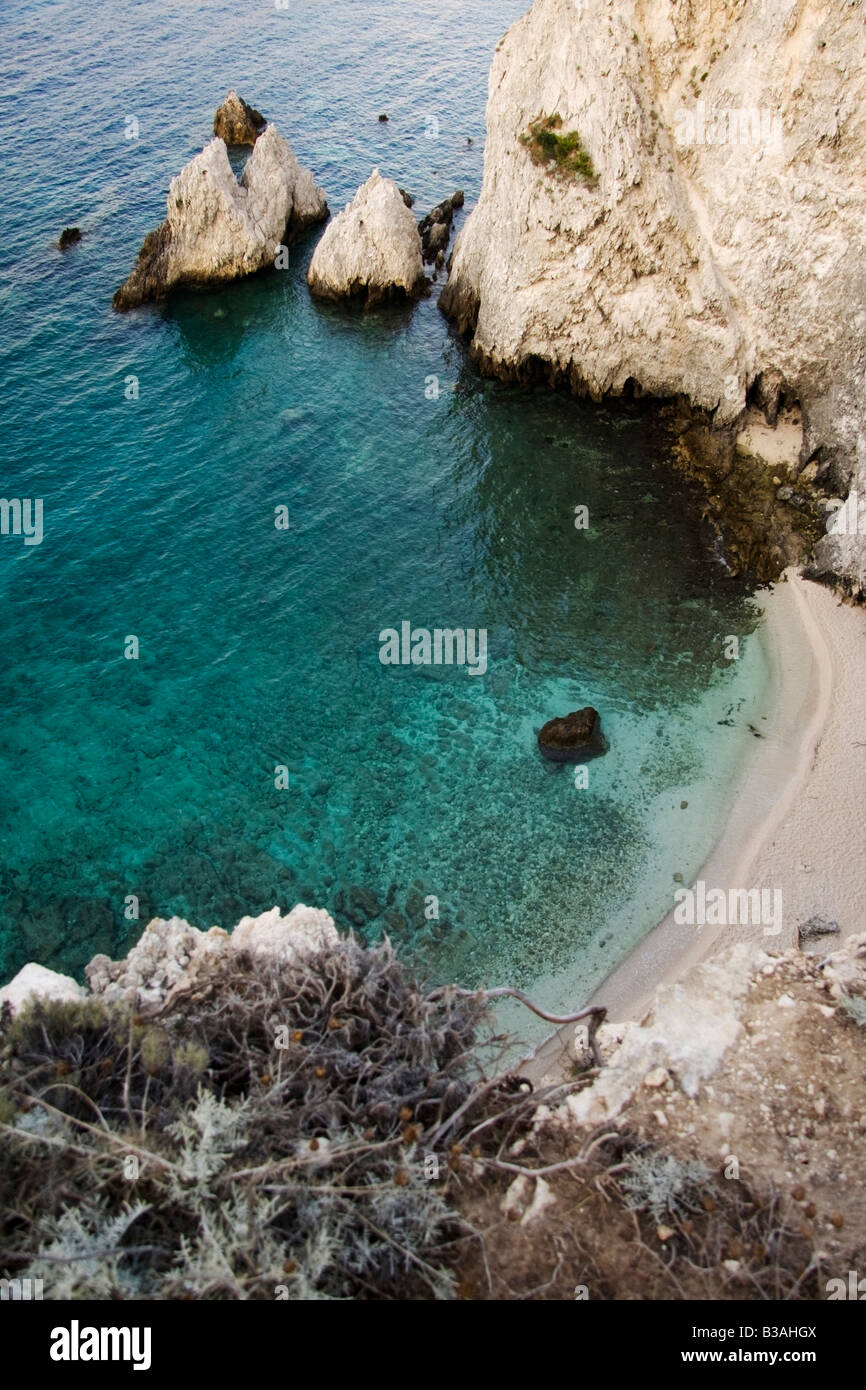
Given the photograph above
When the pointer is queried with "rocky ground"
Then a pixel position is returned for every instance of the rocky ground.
(727, 1129)
(713, 1153)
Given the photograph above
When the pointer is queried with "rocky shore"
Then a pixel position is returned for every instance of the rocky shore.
(711, 262)
(710, 1147)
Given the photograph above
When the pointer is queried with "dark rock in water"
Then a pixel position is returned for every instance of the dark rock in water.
(437, 240)
(357, 905)
(435, 228)
(68, 237)
(415, 908)
(237, 122)
(407, 198)
(573, 738)
(383, 118)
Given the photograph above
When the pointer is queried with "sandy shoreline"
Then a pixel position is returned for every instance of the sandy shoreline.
(796, 821)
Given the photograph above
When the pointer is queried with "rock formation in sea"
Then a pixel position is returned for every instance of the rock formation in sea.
(237, 122)
(435, 228)
(371, 250)
(218, 228)
(69, 237)
(573, 738)
(673, 205)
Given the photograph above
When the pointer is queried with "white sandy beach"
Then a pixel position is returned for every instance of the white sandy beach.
(797, 822)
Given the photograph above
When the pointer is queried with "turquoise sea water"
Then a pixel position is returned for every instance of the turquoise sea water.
(259, 648)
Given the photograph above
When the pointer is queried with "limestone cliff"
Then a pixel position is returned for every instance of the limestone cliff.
(709, 239)
(218, 228)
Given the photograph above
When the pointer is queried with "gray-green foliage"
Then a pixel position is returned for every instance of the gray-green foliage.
(854, 1005)
(662, 1184)
(185, 1155)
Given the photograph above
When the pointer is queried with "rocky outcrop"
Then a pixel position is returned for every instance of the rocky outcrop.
(716, 251)
(69, 237)
(573, 738)
(371, 250)
(35, 981)
(218, 229)
(237, 122)
(435, 228)
(170, 954)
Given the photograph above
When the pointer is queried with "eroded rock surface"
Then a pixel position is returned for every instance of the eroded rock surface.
(435, 228)
(717, 251)
(35, 980)
(237, 122)
(218, 228)
(371, 250)
(169, 954)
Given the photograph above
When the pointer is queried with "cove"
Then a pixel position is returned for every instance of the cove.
(258, 646)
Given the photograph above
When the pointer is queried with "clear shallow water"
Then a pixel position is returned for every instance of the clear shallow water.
(260, 648)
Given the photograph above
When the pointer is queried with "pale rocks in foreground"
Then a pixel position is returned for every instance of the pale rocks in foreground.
(371, 250)
(169, 955)
(573, 738)
(218, 229)
(34, 980)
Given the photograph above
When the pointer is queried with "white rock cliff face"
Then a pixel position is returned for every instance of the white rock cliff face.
(217, 228)
(34, 981)
(371, 249)
(723, 245)
(169, 954)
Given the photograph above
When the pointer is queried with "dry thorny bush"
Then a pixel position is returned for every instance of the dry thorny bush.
(328, 1131)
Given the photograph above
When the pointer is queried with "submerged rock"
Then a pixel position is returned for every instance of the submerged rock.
(573, 738)
(372, 249)
(219, 229)
(68, 237)
(237, 122)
